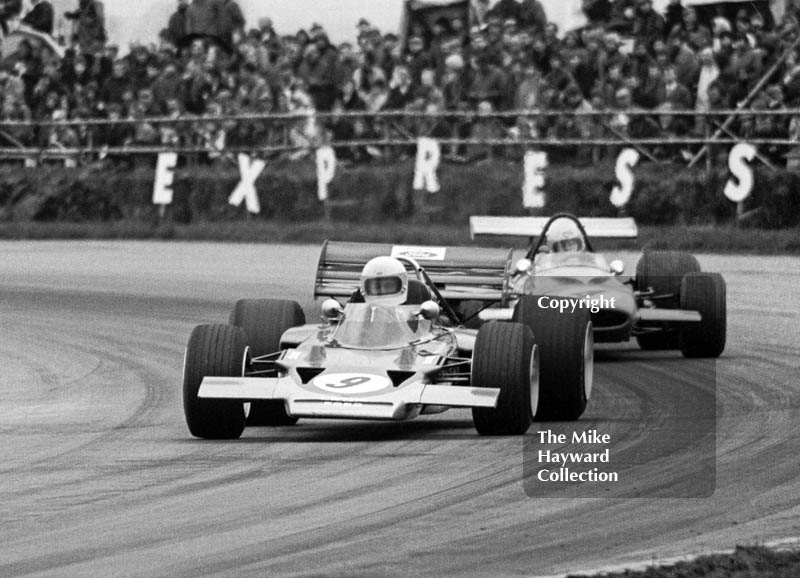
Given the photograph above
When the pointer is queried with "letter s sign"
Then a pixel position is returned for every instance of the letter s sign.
(741, 170)
(626, 160)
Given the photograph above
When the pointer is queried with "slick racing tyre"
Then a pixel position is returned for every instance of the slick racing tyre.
(213, 350)
(566, 358)
(705, 293)
(663, 271)
(264, 321)
(506, 356)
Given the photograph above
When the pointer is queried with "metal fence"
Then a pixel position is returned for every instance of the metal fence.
(386, 133)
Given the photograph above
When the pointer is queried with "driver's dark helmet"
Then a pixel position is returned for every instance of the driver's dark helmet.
(384, 281)
(564, 236)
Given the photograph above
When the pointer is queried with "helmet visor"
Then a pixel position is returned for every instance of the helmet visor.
(568, 245)
(378, 286)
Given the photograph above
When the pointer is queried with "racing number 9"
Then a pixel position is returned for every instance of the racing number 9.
(349, 382)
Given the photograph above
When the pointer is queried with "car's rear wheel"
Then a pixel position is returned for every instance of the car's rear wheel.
(469, 310)
(662, 271)
(566, 353)
(213, 350)
(506, 356)
(705, 293)
(264, 322)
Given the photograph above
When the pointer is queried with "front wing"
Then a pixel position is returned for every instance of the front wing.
(397, 404)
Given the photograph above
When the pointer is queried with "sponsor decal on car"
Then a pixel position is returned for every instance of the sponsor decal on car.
(422, 253)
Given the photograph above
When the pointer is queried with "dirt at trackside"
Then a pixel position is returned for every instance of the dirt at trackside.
(744, 562)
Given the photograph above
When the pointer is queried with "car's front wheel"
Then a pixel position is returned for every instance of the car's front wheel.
(566, 345)
(213, 350)
(506, 357)
(705, 293)
(264, 321)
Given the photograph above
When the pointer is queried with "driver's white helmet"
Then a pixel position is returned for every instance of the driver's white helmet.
(564, 236)
(384, 281)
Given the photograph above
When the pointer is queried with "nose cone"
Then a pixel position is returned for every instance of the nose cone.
(607, 292)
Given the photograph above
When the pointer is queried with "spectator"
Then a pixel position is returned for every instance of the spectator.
(597, 12)
(610, 55)
(486, 128)
(693, 29)
(673, 18)
(115, 87)
(418, 58)
(532, 16)
(427, 92)
(401, 92)
(232, 21)
(350, 100)
(12, 87)
(673, 127)
(138, 62)
(90, 27)
(559, 77)
(178, 26)
(40, 17)
(204, 20)
(505, 9)
(318, 70)
(791, 80)
(577, 125)
(647, 24)
(378, 95)
(346, 64)
(687, 68)
(676, 94)
(487, 84)
(708, 74)
(146, 103)
(528, 93)
(115, 133)
(75, 73)
(15, 110)
(167, 86)
(650, 89)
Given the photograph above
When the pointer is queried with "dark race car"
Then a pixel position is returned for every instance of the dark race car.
(669, 304)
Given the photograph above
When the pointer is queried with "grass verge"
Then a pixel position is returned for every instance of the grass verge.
(702, 239)
(744, 562)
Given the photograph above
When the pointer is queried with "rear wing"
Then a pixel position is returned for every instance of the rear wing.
(458, 272)
(597, 227)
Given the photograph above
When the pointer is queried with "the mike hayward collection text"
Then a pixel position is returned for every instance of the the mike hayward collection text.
(557, 462)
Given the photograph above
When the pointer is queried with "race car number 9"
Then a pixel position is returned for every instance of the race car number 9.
(351, 382)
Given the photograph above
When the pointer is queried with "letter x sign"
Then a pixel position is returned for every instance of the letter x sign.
(246, 189)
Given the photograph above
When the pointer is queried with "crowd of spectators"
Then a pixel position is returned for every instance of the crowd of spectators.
(209, 64)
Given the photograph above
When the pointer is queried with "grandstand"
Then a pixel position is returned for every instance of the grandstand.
(218, 76)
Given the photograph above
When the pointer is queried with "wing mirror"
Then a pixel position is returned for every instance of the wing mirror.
(331, 309)
(429, 310)
(616, 267)
(524, 266)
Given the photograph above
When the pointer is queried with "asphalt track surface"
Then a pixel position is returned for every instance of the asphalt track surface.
(100, 477)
